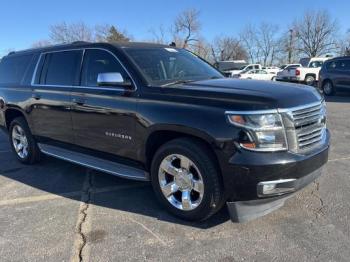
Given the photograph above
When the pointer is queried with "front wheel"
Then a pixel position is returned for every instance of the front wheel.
(22, 142)
(328, 88)
(186, 179)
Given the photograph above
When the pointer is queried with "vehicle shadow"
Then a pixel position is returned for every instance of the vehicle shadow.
(341, 97)
(67, 180)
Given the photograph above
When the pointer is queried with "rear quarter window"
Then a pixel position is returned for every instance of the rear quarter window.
(13, 68)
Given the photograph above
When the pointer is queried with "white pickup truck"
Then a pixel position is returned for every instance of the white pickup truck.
(245, 68)
(307, 73)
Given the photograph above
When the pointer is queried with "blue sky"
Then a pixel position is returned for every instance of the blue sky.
(25, 22)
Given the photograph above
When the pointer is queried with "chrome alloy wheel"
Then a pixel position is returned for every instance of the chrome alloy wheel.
(181, 182)
(20, 141)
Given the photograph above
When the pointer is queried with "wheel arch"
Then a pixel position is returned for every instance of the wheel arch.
(12, 113)
(311, 74)
(161, 135)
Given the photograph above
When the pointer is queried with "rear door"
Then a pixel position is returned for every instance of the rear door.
(50, 113)
(104, 116)
(344, 73)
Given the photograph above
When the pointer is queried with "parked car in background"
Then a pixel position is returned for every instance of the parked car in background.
(226, 67)
(307, 73)
(335, 75)
(256, 74)
(285, 71)
(272, 69)
(245, 69)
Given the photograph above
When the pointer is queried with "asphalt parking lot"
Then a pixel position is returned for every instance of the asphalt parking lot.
(57, 211)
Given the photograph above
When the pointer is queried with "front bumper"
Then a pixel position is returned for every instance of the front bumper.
(243, 211)
(261, 182)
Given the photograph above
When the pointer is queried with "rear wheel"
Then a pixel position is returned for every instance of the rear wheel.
(328, 88)
(273, 78)
(310, 80)
(186, 180)
(22, 142)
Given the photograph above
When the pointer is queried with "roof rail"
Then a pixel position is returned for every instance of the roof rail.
(80, 42)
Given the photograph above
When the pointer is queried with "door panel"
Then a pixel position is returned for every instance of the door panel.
(104, 120)
(51, 98)
(50, 113)
(103, 117)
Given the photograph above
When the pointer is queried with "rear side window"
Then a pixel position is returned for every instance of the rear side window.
(13, 68)
(61, 68)
(339, 65)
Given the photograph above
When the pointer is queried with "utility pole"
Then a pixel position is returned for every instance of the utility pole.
(290, 46)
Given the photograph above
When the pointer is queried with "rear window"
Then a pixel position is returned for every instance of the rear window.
(13, 68)
(61, 68)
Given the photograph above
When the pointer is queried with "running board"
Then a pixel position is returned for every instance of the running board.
(95, 163)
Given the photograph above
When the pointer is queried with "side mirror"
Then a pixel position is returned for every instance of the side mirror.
(112, 79)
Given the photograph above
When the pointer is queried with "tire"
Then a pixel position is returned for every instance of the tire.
(21, 137)
(203, 205)
(328, 88)
(310, 80)
(273, 78)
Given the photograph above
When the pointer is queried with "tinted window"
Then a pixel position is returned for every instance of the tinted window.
(332, 65)
(99, 61)
(13, 68)
(167, 66)
(61, 68)
(315, 64)
(343, 65)
(339, 65)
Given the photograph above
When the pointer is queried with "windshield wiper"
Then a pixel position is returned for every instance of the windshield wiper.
(177, 82)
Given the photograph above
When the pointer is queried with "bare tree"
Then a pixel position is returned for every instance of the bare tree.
(66, 33)
(248, 38)
(159, 35)
(41, 43)
(344, 44)
(316, 33)
(186, 28)
(227, 48)
(266, 36)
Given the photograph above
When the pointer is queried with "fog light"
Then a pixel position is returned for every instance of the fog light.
(277, 187)
(268, 189)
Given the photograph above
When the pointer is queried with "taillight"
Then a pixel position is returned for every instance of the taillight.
(297, 72)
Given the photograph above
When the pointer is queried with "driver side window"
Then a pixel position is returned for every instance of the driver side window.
(98, 61)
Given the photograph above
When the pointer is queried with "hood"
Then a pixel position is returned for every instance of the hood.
(249, 94)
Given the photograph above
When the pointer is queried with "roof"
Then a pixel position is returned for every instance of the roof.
(81, 44)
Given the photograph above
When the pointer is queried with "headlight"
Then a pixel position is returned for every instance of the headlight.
(264, 132)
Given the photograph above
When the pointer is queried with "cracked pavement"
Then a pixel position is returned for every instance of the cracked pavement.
(57, 211)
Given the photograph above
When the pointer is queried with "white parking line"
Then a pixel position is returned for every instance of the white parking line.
(47, 197)
(340, 159)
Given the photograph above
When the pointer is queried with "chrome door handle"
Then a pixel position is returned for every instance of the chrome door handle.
(79, 101)
(36, 96)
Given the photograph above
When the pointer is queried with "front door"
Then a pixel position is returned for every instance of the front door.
(103, 116)
(50, 109)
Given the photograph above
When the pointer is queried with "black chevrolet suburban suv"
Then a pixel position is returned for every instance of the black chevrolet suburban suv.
(158, 113)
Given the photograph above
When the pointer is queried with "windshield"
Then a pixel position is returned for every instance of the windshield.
(166, 66)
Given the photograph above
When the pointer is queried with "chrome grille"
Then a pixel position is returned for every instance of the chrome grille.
(309, 125)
